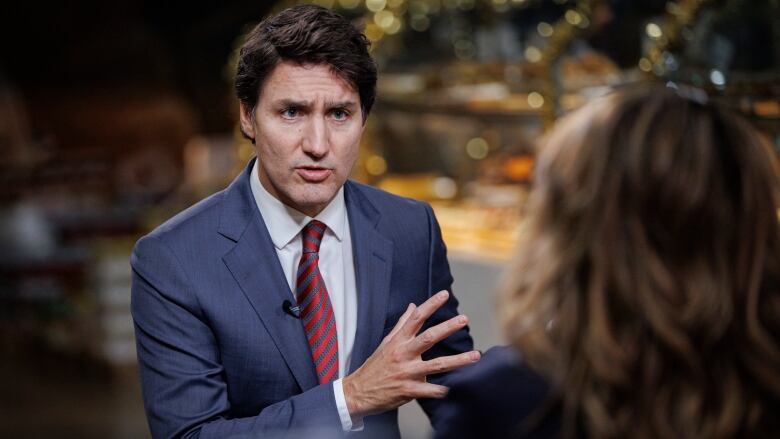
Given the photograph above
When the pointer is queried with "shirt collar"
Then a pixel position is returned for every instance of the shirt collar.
(285, 223)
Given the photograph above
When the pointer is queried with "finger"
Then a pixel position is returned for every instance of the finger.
(446, 363)
(427, 390)
(421, 314)
(437, 333)
(402, 320)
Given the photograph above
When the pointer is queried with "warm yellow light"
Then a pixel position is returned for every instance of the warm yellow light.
(535, 100)
(645, 65)
(445, 188)
(395, 3)
(544, 29)
(384, 19)
(376, 165)
(349, 4)
(573, 17)
(375, 5)
(394, 27)
(374, 32)
(653, 30)
(532, 54)
(477, 148)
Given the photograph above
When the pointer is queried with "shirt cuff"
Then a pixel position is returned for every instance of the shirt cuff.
(347, 423)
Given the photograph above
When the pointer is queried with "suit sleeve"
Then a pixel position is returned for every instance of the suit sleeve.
(440, 278)
(182, 379)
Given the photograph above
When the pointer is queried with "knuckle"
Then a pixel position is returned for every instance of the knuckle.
(396, 356)
(408, 371)
(427, 337)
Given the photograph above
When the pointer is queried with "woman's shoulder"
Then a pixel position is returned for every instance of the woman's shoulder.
(500, 375)
(493, 396)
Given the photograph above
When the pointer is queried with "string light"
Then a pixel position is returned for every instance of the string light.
(544, 29)
(717, 78)
(376, 165)
(394, 27)
(535, 100)
(653, 30)
(477, 148)
(573, 17)
(445, 188)
(349, 4)
(384, 19)
(532, 54)
(373, 32)
(645, 65)
(376, 5)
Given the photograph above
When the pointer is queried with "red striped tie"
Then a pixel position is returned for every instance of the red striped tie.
(317, 317)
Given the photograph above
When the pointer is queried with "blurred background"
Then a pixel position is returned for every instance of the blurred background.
(116, 115)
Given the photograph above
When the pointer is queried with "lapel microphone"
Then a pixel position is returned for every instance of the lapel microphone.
(293, 310)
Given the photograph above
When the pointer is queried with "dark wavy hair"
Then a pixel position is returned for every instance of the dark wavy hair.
(646, 284)
(306, 34)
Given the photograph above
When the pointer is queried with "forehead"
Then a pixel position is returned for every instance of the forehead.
(306, 82)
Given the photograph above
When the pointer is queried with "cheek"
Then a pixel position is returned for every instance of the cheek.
(349, 145)
(277, 145)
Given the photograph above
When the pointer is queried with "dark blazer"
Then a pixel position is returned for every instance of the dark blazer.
(218, 355)
(498, 397)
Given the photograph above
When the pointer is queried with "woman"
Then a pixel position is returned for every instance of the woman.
(644, 299)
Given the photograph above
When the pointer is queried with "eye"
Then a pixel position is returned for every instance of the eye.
(340, 114)
(290, 113)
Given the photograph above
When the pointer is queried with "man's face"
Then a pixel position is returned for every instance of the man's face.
(307, 127)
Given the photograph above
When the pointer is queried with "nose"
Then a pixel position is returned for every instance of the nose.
(316, 143)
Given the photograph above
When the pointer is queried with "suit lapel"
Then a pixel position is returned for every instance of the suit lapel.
(255, 267)
(373, 255)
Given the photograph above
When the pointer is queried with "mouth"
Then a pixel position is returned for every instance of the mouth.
(313, 174)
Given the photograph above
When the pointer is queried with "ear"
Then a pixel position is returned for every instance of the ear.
(247, 121)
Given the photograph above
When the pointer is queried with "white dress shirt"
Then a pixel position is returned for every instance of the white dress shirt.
(335, 263)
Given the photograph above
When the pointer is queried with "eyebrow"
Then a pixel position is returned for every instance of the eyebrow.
(340, 104)
(284, 103)
(291, 103)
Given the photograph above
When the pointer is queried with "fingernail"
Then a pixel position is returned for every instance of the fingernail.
(463, 320)
(474, 356)
(443, 294)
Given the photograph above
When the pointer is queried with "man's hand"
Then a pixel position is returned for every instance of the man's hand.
(395, 373)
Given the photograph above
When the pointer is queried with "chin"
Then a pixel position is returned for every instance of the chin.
(313, 199)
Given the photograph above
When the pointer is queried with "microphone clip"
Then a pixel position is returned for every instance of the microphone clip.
(293, 310)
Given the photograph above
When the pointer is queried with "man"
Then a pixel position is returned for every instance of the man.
(295, 300)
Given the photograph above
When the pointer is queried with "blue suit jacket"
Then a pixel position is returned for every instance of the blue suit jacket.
(218, 355)
(498, 397)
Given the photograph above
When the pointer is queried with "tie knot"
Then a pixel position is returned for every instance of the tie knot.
(312, 236)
